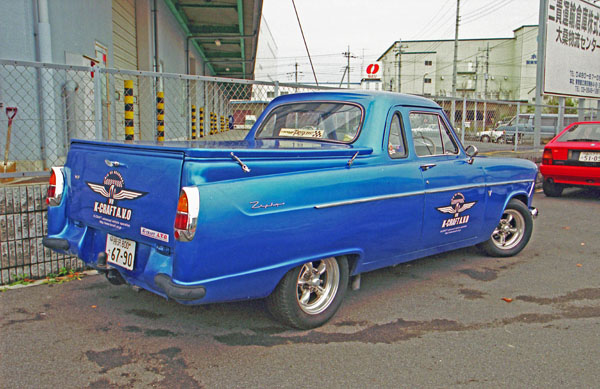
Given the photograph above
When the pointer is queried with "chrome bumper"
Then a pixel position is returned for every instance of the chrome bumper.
(534, 212)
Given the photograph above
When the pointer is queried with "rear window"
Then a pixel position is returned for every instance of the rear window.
(323, 121)
(587, 132)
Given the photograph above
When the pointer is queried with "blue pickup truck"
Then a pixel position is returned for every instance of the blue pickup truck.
(326, 186)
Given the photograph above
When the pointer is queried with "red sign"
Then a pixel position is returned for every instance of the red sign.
(372, 69)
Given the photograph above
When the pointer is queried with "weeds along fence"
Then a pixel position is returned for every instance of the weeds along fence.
(57, 103)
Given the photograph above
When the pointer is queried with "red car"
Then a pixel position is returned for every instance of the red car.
(572, 158)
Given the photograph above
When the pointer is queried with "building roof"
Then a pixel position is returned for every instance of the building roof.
(394, 44)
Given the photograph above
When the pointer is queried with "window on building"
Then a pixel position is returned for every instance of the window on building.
(427, 80)
(428, 63)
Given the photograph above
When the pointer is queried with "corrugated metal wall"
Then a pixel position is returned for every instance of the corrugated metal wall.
(125, 56)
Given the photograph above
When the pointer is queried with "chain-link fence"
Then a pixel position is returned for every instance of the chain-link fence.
(53, 104)
(57, 103)
(502, 122)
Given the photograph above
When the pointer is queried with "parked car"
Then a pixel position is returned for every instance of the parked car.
(326, 186)
(523, 127)
(249, 121)
(486, 136)
(572, 159)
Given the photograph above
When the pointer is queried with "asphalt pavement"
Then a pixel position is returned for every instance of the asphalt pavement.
(458, 319)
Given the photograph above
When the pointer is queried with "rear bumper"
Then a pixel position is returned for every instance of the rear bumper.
(56, 243)
(177, 291)
(572, 175)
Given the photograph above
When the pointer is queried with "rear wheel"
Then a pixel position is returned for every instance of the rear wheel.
(512, 232)
(309, 295)
(485, 139)
(552, 189)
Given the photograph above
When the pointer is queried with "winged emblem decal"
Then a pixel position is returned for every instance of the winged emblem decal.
(113, 188)
(457, 205)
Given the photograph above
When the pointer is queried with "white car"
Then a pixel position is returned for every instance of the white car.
(490, 136)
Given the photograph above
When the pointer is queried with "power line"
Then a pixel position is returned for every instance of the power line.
(305, 45)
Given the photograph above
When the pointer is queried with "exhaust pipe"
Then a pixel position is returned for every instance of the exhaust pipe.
(114, 277)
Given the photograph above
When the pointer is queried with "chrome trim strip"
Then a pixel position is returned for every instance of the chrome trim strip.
(408, 194)
(369, 199)
(510, 182)
(455, 188)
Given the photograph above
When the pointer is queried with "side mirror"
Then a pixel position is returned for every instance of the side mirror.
(471, 153)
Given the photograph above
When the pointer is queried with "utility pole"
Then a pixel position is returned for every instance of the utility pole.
(455, 61)
(296, 67)
(348, 55)
(295, 73)
(454, 65)
(399, 55)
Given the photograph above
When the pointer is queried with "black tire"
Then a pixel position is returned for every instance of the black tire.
(286, 305)
(485, 139)
(552, 189)
(512, 233)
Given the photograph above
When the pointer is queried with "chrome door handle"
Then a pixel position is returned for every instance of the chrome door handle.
(427, 166)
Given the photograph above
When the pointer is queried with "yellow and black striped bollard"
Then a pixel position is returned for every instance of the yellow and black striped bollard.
(160, 116)
(128, 91)
(201, 121)
(193, 122)
(213, 123)
(222, 123)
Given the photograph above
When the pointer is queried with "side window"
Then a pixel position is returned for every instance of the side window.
(396, 142)
(450, 146)
(430, 135)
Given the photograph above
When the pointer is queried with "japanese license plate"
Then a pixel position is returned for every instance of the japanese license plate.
(586, 156)
(120, 252)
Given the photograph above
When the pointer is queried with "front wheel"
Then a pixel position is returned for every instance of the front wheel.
(309, 295)
(512, 232)
(485, 139)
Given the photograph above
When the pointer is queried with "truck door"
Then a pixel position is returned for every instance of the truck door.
(454, 188)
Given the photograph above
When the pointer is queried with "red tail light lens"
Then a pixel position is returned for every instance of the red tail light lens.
(547, 157)
(186, 218)
(181, 219)
(55, 187)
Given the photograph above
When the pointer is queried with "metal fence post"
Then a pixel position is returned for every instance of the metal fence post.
(97, 103)
(516, 136)
(276, 91)
(475, 116)
(464, 117)
(561, 115)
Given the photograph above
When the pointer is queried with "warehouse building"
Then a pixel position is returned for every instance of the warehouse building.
(496, 68)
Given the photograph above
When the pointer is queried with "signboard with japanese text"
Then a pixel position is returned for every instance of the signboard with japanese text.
(572, 65)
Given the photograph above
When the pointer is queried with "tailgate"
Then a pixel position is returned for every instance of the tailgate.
(130, 192)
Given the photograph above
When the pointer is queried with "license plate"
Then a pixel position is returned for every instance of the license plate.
(120, 252)
(586, 156)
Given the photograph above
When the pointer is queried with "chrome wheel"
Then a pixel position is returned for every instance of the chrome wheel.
(510, 231)
(317, 285)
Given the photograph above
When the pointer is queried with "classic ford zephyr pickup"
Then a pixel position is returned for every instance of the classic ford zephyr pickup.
(326, 186)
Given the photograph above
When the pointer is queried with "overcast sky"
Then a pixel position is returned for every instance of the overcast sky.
(370, 27)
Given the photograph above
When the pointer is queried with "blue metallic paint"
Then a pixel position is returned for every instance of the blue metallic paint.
(380, 211)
